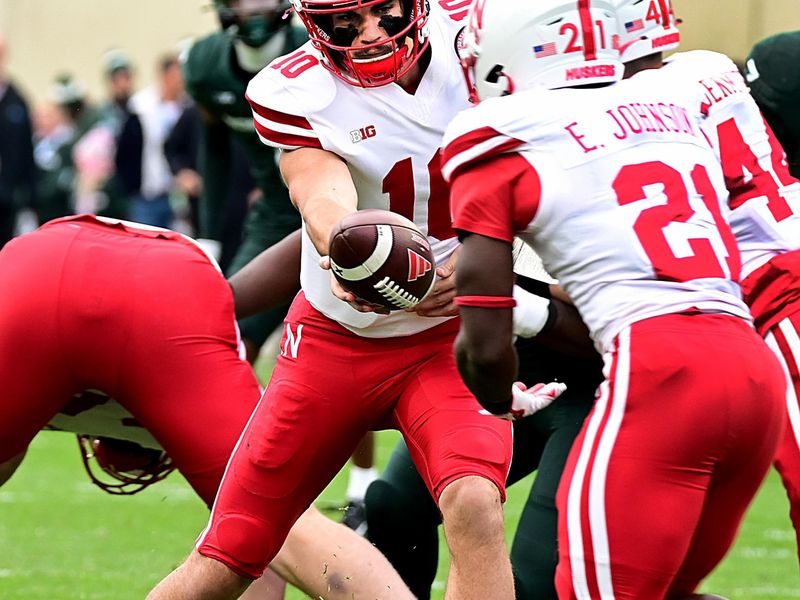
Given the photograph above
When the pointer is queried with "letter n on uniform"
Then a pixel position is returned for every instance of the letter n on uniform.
(292, 343)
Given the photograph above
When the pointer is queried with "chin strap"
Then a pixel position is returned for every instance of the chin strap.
(368, 70)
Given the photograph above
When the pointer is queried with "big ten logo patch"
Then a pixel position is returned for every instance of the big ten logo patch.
(359, 135)
(291, 341)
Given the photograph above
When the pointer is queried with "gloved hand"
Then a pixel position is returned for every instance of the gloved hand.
(527, 401)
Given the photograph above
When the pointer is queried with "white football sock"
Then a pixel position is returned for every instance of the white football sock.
(360, 479)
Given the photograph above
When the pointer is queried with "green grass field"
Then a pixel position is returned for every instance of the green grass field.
(61, 538)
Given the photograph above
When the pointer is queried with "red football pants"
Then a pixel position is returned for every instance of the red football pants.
(784, 340)
(684, 430)
(328, 388)
(149, 321)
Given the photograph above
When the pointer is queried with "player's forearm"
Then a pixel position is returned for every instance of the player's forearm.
(488, 370)
(485, 353)
(270, 280)
(321, 214)
(321, 187)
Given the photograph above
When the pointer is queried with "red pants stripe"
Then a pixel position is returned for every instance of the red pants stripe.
(784, 340)
(684, 430)
(601, 431)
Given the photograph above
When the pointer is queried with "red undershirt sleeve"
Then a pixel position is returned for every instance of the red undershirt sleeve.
(495, 198)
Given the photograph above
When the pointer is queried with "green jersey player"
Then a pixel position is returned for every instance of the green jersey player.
(217, 69)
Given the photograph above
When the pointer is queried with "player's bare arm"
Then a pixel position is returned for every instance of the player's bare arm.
(485, 352)
(270, 280)
(321, 188)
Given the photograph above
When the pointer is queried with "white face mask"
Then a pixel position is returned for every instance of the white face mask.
(252, 59)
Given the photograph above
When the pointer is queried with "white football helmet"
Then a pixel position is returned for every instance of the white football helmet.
(646, 27)
(522, 44)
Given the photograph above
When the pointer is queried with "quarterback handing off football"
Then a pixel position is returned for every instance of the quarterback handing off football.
(382, 258)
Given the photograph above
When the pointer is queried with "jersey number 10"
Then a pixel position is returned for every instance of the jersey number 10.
(399, 184)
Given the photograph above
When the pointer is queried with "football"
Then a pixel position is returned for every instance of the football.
(382, 258)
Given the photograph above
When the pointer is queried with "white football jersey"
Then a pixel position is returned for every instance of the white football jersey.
(389, 139)
(764, 197)
(628, 210)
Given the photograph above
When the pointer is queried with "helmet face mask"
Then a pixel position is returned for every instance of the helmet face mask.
(366, 65)
(646, 27)
(127, 467)
(513, 45)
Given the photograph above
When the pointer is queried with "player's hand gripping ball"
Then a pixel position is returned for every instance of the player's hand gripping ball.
(382, 258)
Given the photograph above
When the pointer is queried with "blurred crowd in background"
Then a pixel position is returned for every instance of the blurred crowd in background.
(131, 154)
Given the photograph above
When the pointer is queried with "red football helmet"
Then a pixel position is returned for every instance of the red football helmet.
(131, 465)
(407, 40)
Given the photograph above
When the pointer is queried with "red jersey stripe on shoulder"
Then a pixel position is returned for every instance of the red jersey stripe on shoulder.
(286, 139)
(277, 116)
(475, 146)
(469, 139)
(496, 198)
(455, 9)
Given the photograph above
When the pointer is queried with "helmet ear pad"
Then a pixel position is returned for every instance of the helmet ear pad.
(498, 76)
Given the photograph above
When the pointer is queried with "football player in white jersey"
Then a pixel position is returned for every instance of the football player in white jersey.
(358, 114)
(630, 221)
(764, 196)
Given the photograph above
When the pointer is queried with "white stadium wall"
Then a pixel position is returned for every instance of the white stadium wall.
(47, 37)
(733, 26)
